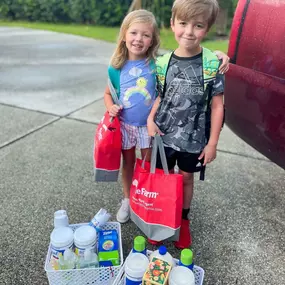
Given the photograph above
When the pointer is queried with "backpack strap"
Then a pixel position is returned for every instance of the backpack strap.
(152, 66)
(162, 64)
(114, 75)
(210, 68)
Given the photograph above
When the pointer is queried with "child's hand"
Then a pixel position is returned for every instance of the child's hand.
(225, 61)
(209, 153)
(114, 110)
(153, 129)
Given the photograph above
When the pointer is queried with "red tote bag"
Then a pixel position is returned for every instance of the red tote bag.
(156, 197)
(108, 146)
(107, 149)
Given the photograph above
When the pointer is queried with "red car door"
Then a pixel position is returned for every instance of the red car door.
(255, 83)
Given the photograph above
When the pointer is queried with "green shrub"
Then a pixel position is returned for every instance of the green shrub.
(99, 12)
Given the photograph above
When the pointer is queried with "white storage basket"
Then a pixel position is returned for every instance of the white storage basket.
(198, 273)
(87, 276)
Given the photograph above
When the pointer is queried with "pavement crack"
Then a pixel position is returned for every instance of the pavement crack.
(82, 121)
(53, 114)
(82, 107)
(5, 144)
(31, 110)
(58, 117)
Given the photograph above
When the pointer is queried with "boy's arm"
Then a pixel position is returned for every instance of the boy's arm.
(151, 126)
(217, 109)
(217, 116)
(112, 108)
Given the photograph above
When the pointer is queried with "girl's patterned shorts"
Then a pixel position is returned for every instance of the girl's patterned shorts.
(133, 136)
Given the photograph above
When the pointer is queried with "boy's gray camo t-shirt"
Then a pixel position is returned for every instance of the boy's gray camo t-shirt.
(183, 99)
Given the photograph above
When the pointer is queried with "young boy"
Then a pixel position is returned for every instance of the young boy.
(189, 85)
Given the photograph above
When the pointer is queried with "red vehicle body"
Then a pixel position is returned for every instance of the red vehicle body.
(255, 83)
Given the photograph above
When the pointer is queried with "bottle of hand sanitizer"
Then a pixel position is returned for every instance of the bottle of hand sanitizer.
(68, 260)
(90, 259)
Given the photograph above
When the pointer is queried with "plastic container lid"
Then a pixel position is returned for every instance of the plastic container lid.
(162, 250)
(61, 237)
(139, 243)
(84, 236)
(60, 213)
(136, 265)
(186, 256)
(181, 275)
(60, 219)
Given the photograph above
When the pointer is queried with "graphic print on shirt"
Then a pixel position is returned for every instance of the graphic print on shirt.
(137, 89)
(181, 114)
(140, 88)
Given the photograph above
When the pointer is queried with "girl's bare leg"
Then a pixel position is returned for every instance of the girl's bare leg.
(129, 159)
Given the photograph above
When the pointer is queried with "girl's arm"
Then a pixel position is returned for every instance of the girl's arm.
(112, 108)
(225, 61)
(217, 115)
(151, 126)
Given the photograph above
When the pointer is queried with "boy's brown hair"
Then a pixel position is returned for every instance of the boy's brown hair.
(185, 10)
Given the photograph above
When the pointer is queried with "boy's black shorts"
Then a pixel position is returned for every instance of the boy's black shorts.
(187, 162)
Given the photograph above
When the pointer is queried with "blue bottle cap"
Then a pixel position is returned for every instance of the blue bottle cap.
(162, 250)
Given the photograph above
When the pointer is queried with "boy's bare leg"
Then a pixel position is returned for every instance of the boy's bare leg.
(146, 153)
(188, 185)
(129, 159)
(185, 239)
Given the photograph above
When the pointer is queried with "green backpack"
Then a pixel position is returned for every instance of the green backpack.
(210, 67)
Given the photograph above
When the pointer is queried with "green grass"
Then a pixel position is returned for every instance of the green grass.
(109, 34)
(168, 42)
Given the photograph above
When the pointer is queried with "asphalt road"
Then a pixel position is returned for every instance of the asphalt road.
(51, 89)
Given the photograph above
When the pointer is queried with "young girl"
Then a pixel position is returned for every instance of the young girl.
(133, 62)
(134, 57)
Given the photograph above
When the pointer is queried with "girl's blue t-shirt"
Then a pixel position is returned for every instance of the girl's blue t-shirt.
(137, 92)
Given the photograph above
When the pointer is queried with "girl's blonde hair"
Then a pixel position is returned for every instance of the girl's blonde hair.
(120, 55)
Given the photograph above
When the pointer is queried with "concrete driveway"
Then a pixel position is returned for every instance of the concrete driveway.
(51, 88)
